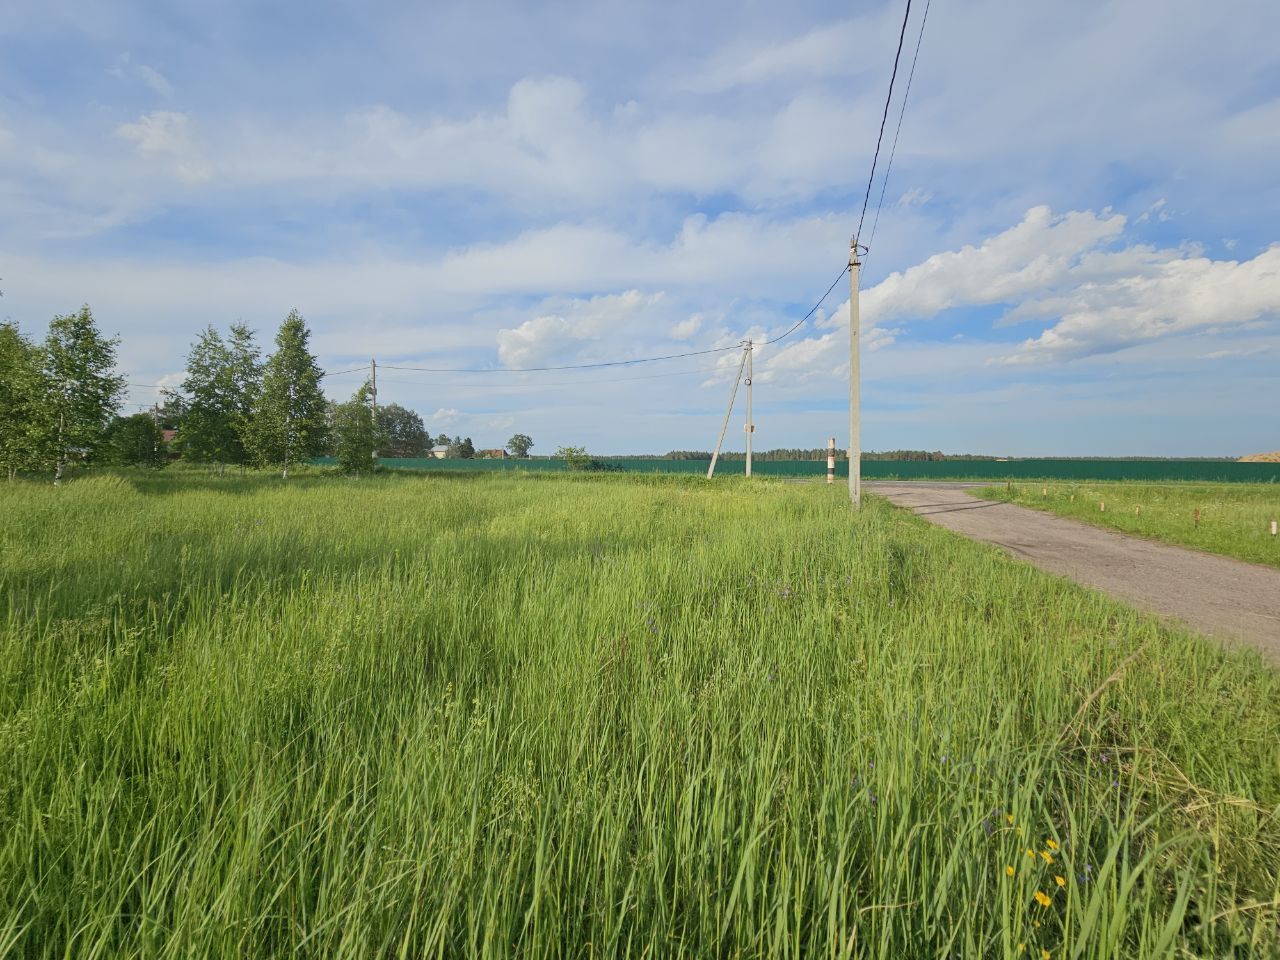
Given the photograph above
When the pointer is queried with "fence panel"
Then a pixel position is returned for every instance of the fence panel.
(1201, 471)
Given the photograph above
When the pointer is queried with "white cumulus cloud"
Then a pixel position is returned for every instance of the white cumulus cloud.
(1036, 254)
(1169, 297)
(687, 328)
(167, 134)
(575, 323)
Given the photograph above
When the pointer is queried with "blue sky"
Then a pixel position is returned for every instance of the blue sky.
(1078, 251)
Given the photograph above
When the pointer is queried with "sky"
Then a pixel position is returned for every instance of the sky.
(1077, 253)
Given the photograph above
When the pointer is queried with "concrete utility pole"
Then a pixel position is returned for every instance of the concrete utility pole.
(831, 460)
(727, 414)
(751, 427)
(855, 382)
(373, 381)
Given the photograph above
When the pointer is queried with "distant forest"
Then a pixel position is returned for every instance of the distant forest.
(814, 453)
(820, 453)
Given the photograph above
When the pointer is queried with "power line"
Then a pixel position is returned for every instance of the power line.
(902, 110)
(570, 366)
(170, 386)
(812, 310)
(883, 119)
(541, 384)
(599, 365)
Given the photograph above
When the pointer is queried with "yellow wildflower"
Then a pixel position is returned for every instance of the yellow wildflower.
(1008, 871)
(1022, 948)
(1009, 817)
(1060, 881)
(1042, 898)
(1031, 853)
(1044, 955)
(1048, 857)
(1051, 844)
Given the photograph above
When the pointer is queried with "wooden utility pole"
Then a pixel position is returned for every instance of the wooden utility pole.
(855, 382)
(751, 427)
(373, 382)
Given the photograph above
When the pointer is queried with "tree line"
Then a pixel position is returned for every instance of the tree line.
(820, 453)
(60, 405)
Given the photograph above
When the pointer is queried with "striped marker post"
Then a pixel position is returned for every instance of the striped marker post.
(831, 460)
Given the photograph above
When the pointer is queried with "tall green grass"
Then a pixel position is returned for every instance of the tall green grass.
(595, 717)
(1235, 518)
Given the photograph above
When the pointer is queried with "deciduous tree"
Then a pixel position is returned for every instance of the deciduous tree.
(403, 432)
(575, 458)
(356, 435)
(23, 396)
(134, 441)
(84, 389)
(462, 448)
(288, 423)
(224, 377)
(520, 444)
(246, 384)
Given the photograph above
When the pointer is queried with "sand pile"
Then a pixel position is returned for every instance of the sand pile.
(1262, 458)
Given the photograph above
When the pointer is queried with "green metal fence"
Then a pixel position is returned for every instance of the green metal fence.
(1204, 471)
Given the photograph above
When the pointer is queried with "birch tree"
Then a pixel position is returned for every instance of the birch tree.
(84, 391)
(288, 423)
(224, 378)
(207, 432)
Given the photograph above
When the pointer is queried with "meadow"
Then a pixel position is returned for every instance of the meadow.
(597, 716)
(1234, 518)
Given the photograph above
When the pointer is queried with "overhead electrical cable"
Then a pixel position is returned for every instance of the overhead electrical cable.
(857, 237)
(884, 183)
(812, 310)
(170, 386)
(609, 363)
(338, 373)
(570, 366)
(540, 384)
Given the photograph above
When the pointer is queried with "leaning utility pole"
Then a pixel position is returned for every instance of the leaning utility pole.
(727, 414)
(855, 382)
(751, 427)
(373, 382)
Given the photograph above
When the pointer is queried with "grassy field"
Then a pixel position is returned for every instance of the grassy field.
(1234, 517)
(601, 716)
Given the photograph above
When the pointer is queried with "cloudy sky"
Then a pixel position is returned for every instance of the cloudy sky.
(1078, 251)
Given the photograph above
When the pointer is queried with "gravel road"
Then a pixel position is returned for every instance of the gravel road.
(1223, 598)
